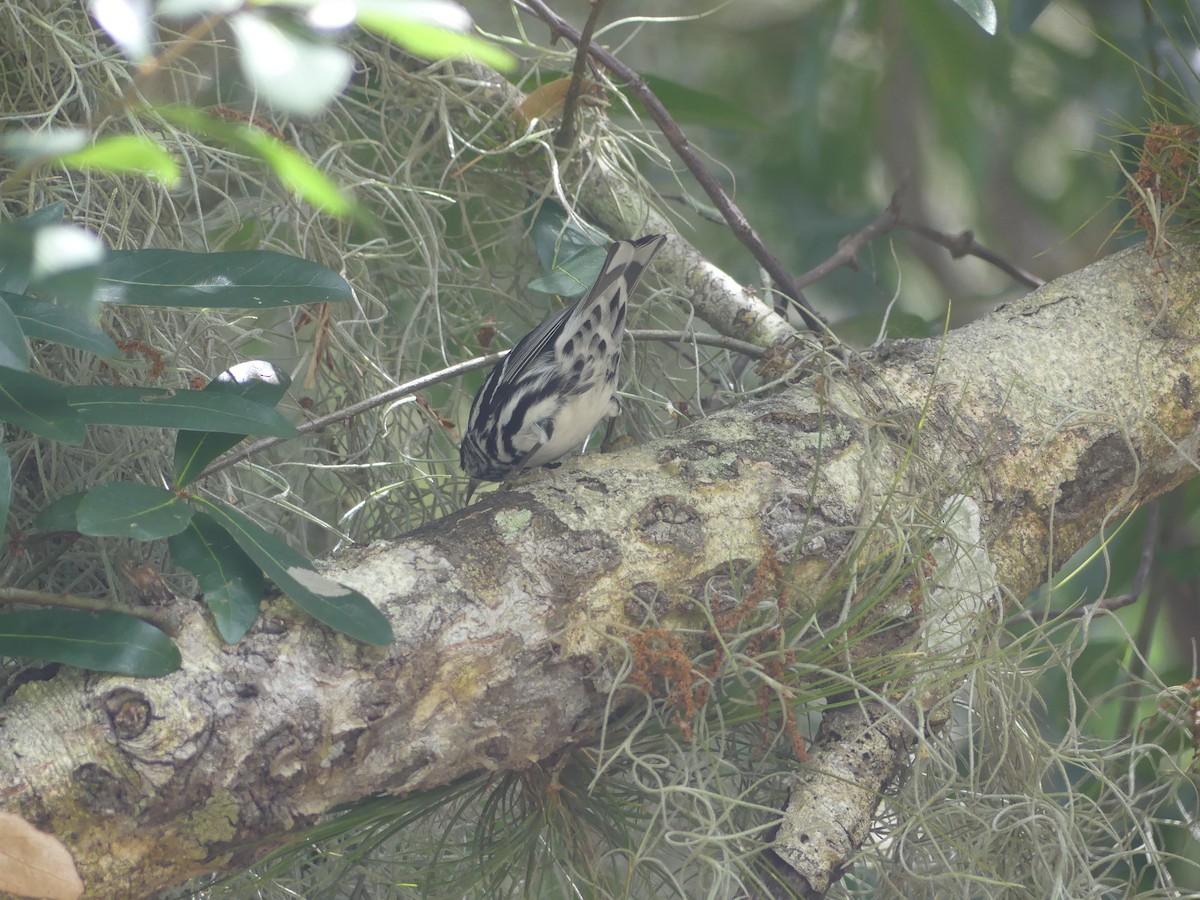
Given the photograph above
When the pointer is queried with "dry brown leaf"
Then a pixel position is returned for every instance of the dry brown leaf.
(546, 102)
(34, 864)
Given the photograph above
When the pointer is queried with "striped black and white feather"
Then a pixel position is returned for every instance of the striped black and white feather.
(544, 399)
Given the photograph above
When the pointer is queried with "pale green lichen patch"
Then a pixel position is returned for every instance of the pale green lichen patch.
(511, 522)
(215, 821)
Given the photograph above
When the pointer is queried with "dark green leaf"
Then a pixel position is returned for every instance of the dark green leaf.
(50, 214)
(14, 353)
(255, 279)
(257, 381)
(692, 107)
(158, 408)
(557, 236)
(128, 509)
(61, 515)
(292, 169)
(125, 154)
(574, 276)
(104, 641)
(339, 607)
(982, 11)
(39, 405)
(232, 582)
(59, 324)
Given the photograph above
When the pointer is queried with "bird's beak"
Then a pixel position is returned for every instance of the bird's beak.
(471, 485)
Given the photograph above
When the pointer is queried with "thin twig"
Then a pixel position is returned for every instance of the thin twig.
(446, 374)
(709, 340)
(355, 409)
(566, 131)
(737, 221)
(156, 617)
(1149, 544)
(1109, 604)
(964, 244)
(847, 250)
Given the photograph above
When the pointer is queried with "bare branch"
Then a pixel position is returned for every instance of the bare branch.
(847, 251)
(964, 244)
(355, 409)
(1145, 564)
(566, 131)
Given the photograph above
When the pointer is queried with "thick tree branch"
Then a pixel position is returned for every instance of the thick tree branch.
(1051, 415)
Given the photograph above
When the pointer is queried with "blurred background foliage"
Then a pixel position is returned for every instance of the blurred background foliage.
(822, 110)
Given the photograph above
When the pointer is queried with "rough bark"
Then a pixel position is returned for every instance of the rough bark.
(1053, 415)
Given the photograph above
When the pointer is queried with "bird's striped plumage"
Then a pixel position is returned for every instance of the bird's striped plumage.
(544, 398)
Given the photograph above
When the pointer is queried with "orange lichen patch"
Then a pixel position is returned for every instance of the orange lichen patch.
(659, 658)
(1167, 170)
(768, 583)
(657, 653)
(485, 334)
(157, 366)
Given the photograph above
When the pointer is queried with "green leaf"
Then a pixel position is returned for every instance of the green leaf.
(289, 67)
(101, 404)
(50, 214)
(103, 642)
(61, 514)
(5, 488)
(292, 169)
(14, 353)
(257, 381)
(128, 509)
(573, 277)
(232, 582)
(339, 607)
(692, 107)
(431, 41)
(125, 154)
(39, 405)
(59, 324)
(243, 279)
(556, 236)
(982, 11)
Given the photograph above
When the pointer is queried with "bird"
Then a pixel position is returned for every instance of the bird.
(546, 396)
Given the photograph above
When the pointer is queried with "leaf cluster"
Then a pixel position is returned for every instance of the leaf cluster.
(53, 299)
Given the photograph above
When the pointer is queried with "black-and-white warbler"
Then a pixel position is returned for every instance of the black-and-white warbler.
(543, 399)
